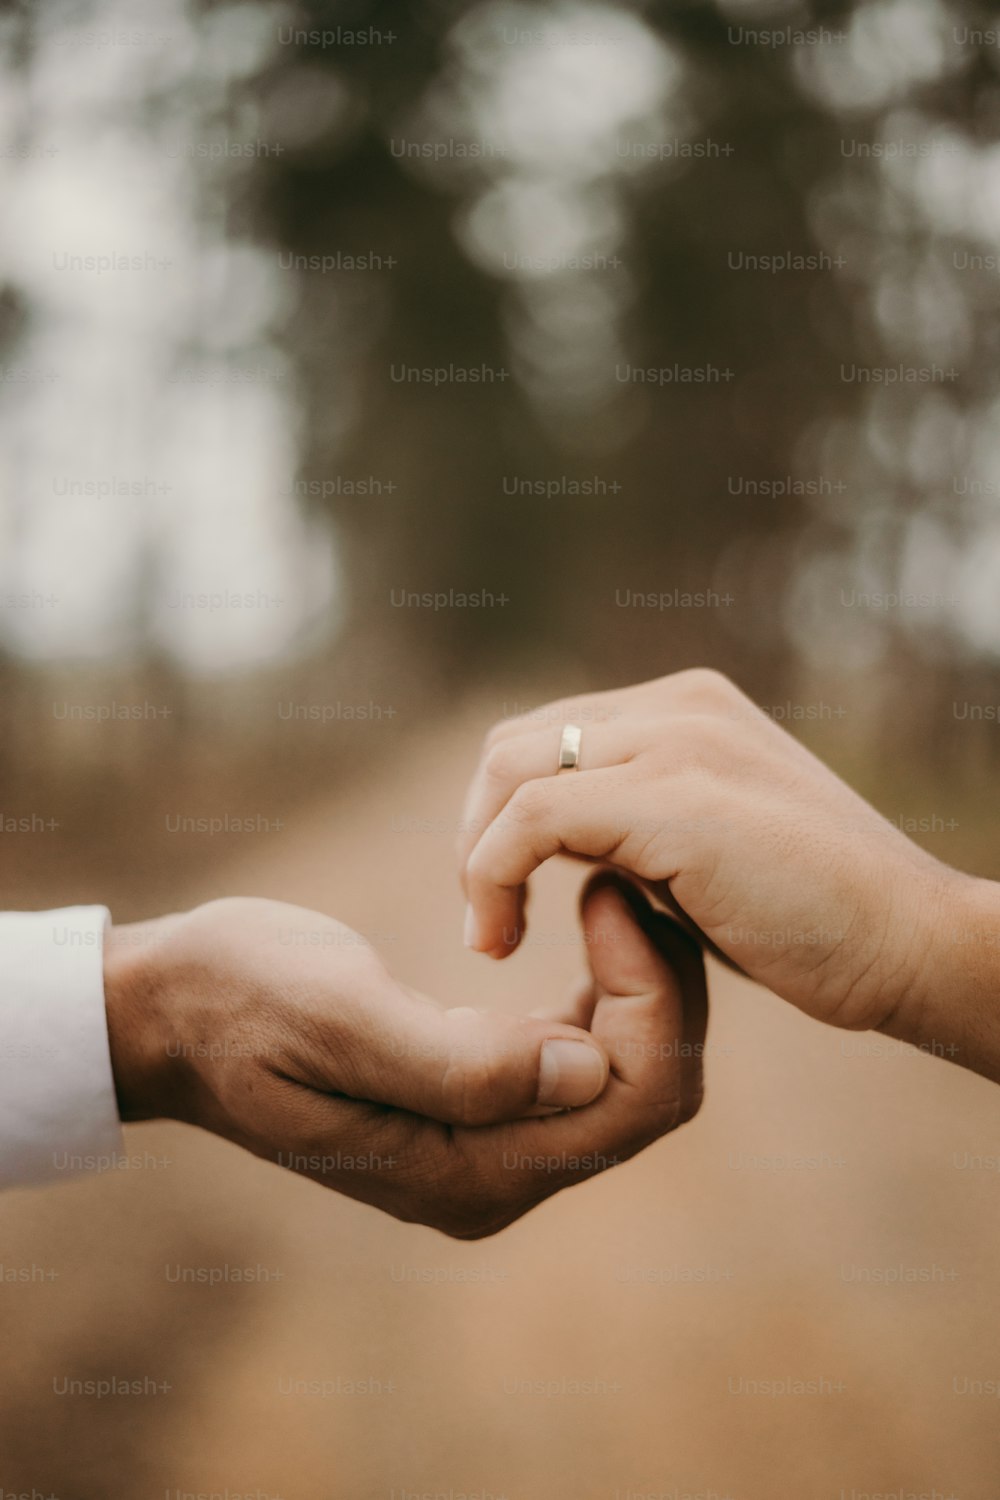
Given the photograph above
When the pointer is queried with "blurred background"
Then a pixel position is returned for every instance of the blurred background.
(371, 373)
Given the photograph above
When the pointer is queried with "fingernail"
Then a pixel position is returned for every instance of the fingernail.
(569, 1074)
(511, 938)
(471, 927)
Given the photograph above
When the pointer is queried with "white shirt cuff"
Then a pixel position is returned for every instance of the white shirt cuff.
(58, 1111)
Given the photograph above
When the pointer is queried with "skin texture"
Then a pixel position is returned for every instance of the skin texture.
(314, 1057)
(758, 848)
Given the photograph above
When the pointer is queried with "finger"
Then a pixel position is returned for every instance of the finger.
(652, 1008)
(676, 944)
(639, 1016)
(693, 691)
(588, 813)
(679, 942)
(531, 756)
(459, 1066)
(683, 953)
(470, 1183)
(647, 981)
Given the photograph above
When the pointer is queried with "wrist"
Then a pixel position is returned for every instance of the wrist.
(954, 1010)
(137, 994)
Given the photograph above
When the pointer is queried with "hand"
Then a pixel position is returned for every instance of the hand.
(281, 1030)
(775, 862)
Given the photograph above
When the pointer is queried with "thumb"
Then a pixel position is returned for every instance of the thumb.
(648, 996)
(465, 1066)
(651, 1006)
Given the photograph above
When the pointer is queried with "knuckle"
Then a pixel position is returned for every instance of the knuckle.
(706, 685)
(480, 872)
(701, 742)
(529, 802)
(471, 1088)
(499, 762)
(714, 735)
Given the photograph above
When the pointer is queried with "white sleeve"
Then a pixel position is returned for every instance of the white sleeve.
(58, 1112)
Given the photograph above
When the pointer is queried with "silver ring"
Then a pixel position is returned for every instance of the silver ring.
(569, 748)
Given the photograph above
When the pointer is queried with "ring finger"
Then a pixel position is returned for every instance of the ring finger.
(530, 757)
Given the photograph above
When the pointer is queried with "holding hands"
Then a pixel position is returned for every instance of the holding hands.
(316, 1058)
(310, 1054)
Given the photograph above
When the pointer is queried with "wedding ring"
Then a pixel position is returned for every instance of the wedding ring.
(569, 748)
